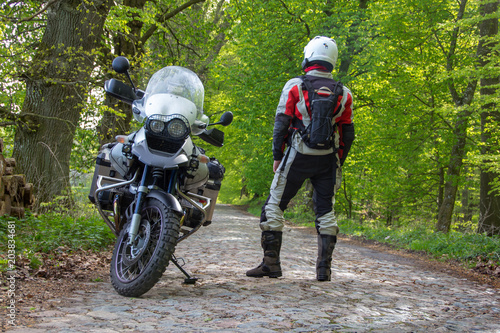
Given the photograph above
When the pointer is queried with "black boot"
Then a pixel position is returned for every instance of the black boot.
(326, 245)
(270, 266)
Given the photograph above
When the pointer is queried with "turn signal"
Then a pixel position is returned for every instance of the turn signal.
(203, 159)
(121, 138)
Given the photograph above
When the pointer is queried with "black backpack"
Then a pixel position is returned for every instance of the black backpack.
(319, 133)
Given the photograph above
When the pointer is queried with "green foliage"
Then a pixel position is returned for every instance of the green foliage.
(395, 56)
(298, 212)
(461, 244)
(405, 122)
(454, 245)
(14, 54)
(81, 228)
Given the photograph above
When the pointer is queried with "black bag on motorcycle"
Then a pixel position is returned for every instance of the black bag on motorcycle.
(215, 175)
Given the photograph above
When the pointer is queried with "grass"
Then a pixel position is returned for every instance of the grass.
(79, 228)
(47, 232)
(463, 246)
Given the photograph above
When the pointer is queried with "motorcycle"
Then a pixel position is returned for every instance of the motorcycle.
(154, 187)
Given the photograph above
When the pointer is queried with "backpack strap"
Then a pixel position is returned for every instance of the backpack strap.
(308, 85)
(337, 86)
(302, 107)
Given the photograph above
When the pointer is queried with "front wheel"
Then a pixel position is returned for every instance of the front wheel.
(137, 267)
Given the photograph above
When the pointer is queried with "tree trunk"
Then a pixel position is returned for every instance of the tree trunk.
(130, 46)
(460, 134)
(489, 221)
(466, 215)
(348, 199)
(56, 84)
(440, 197)
(453, 173)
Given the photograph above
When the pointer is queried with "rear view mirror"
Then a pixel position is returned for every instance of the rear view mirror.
(121, 65)
(225, 119)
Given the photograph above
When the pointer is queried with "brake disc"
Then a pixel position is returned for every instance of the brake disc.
(131, 254)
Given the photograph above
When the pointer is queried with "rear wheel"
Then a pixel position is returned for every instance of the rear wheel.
(137, 267)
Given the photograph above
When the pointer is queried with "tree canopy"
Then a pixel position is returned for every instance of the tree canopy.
(424, 76)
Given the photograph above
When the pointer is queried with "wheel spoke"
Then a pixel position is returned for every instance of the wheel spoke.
(127, 273)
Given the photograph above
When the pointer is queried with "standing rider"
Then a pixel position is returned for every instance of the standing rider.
(300, 162)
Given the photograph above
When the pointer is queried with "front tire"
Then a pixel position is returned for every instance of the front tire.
(136, 268)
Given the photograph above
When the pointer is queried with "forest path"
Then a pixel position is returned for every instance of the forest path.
(371, 291)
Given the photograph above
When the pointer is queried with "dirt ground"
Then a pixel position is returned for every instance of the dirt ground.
(62, 274)
(37, 287)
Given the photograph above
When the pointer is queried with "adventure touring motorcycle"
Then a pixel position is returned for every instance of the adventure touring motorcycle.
(154, 187)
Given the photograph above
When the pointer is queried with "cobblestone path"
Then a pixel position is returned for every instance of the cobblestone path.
(371, 292)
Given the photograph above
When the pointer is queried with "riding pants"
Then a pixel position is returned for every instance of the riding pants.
(325, 174)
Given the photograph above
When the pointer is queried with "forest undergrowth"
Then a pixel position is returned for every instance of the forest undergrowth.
(461, 245)
(44, 240)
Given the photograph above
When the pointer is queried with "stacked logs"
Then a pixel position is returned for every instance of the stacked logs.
(15, 194)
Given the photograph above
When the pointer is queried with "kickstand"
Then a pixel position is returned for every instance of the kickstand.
(189, 279)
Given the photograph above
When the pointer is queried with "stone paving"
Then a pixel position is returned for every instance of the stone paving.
(371, 292)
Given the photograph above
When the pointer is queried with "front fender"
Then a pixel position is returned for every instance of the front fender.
(168, 199)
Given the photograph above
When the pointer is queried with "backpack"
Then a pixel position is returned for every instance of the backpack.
(319, 134)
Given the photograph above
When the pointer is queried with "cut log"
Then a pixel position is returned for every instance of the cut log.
(18, 212)
(9, 171)
(12, 184)
(29, 198)
(7, 206)
(3, 165)
(11, 162)
(15, 194)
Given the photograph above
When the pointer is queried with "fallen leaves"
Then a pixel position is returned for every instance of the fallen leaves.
(487, 267)
(44, 278)
(60, 264)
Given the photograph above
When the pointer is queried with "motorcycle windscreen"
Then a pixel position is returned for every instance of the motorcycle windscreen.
(178, 81)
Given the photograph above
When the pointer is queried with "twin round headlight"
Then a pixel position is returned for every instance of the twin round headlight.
(173, 126)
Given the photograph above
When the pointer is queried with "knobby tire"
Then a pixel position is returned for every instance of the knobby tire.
(134, 279)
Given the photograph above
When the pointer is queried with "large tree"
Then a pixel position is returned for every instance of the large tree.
(57, 80)
(490, 118)
(462, 101)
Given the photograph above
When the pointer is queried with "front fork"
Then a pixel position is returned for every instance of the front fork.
(142, 191)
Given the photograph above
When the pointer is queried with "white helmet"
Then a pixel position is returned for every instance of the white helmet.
(321, 49)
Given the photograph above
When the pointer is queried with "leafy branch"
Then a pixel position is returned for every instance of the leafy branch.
(29, 18)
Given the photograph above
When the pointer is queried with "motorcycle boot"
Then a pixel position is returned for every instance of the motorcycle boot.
(270, 266)
(326, 245)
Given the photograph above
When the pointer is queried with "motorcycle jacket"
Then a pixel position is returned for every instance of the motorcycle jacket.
(293, 113)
